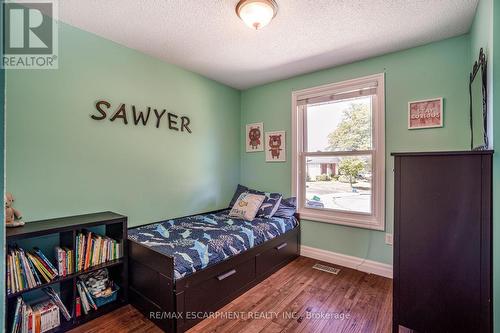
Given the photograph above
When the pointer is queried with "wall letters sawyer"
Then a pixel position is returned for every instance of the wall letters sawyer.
(174, 122)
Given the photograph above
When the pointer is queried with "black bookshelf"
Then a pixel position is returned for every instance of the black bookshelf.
(67, 228)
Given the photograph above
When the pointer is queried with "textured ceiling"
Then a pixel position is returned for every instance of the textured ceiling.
(207, 37)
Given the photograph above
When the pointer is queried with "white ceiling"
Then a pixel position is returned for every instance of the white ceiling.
(206, 36)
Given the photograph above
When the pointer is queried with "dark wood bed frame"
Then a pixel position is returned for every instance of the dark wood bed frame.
(177, 305)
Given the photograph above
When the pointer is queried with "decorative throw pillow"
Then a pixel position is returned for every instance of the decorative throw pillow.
(246, 206)
(240, 189)
(270, 205)
(287, 207)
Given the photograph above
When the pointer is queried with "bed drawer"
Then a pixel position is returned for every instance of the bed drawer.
(212, 292)
(159, 293)
(277, 254)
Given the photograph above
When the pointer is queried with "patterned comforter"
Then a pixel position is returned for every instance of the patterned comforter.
(196, 242)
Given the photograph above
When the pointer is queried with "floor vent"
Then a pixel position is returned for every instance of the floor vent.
(327, 269)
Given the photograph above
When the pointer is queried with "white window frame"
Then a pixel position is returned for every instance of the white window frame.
(375, 220)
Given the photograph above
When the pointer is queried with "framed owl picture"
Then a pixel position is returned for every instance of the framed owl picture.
(254, 137)
(275, 146)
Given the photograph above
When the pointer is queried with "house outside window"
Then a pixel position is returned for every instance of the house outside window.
(338, 152)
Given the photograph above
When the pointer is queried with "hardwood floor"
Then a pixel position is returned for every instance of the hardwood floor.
(297, 298)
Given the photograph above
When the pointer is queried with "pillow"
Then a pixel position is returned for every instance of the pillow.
(270, 205)
(287, 207)
(246, 206)
(240, 189)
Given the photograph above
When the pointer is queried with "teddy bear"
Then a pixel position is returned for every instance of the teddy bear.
(12, 216)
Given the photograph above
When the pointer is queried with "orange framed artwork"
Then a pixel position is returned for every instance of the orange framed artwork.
(425, 113)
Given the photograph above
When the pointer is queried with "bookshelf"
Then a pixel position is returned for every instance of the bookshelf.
(62, 232)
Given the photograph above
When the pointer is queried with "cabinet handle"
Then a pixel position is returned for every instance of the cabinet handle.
(279, 247)
(226, 275)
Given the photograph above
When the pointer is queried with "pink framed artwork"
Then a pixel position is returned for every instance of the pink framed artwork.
(425, 114)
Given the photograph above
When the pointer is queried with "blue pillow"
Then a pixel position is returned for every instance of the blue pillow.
(270, 205)
(287, 208)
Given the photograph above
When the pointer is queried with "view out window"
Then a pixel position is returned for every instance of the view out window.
(339, 155)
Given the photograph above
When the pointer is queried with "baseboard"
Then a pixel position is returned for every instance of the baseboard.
(360, 264)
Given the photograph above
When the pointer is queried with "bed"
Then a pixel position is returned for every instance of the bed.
(183, 269)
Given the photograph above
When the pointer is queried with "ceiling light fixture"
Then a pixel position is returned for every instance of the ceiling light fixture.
(256, 13)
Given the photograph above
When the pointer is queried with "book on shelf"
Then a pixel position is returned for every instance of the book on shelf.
(93, 249)
(38, 318)
(78, 307)
(41, 268)
(16, 323)
(56, 299)
(45, 260)
(47, 316)
(87, 300)
(64, 260)
(27, 269)
(83, 299)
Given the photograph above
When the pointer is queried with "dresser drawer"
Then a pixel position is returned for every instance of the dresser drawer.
(277, 254)
(212, 292)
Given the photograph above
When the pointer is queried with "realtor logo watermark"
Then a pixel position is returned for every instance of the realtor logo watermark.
(30, 35)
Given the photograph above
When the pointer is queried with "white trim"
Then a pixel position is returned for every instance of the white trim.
(360, 264)
(357, 220)
(376, 220)
(342, 86)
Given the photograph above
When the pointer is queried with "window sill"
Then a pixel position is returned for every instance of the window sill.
(369, 222)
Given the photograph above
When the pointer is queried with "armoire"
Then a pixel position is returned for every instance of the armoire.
(443, 241)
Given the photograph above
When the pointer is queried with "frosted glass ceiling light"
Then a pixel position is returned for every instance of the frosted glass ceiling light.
(256, 13)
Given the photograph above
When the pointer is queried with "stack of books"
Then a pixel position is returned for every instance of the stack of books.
(85, 300)
(37, 318)
(93, 249)
(28, 269)
(91, 287)
(64, 260)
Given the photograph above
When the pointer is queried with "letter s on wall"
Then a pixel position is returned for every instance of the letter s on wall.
(100, 110)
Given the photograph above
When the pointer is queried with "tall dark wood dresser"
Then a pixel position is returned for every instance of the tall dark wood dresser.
(442, 241)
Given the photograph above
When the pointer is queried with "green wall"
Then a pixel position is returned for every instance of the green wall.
(61, 162)
(481, 33)
(438, 69)
(481, 36)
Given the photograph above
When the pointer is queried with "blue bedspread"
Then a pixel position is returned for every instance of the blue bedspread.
(196, 242)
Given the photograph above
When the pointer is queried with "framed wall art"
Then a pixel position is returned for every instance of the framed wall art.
(254, 137)
(275, 146)
(425, 113)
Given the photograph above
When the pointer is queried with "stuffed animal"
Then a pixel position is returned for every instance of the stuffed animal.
(12, 216)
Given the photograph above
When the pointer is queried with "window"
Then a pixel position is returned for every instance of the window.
(338, 152)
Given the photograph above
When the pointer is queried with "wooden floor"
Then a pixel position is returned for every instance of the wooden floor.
(297, 298)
